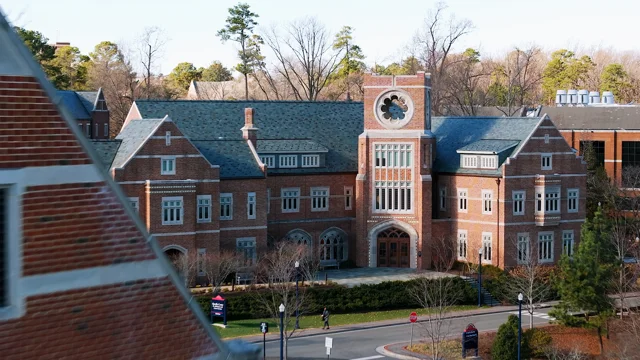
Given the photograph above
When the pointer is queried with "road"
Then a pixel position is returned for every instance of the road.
(361, 344)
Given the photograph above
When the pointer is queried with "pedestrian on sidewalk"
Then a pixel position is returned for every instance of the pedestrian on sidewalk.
(325, 318)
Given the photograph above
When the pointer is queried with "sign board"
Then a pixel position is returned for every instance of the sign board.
(469, 339)
(328, 342)
(413, 317)
(219, 308)
(264, 327)
(328, 351)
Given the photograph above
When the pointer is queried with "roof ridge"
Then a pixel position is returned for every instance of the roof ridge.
(250, 101)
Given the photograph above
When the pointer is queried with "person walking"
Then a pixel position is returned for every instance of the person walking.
(325, 318)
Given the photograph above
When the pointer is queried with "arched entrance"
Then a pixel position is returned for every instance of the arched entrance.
(393, 248)
(299, 237)
(333, 245)
(177, 257)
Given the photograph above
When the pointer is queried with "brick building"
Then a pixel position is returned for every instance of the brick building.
(90, 110)
(376, 183)
(80, 277)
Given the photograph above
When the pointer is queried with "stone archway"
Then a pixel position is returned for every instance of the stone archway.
(299, 237)
(176, 255)
(394, 241)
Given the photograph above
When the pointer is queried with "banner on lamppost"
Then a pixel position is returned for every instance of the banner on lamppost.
(469, 340)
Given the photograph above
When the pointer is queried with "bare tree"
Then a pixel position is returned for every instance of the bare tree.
(310, 264)
(186, 265)
(529, 278)
(435, 43)
(277, 268)
(553, 353)
(218, 266)
(151, 44)
(521, 73)
(306, 60)
(463, 92)
(438, 294)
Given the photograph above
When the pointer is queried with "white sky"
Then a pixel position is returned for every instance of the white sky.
(382, 28)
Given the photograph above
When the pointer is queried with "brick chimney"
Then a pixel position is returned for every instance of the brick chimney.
(249, 131)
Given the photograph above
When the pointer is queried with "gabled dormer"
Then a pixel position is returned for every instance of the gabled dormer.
(291, 154)
(486, 154)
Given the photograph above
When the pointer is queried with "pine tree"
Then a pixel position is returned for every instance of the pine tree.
(585, 279)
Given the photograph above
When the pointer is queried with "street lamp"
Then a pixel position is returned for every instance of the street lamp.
(520, 297)
(281, 331)
(480, 276)
(297, 301)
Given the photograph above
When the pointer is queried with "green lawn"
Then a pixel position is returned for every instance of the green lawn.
(252, 326)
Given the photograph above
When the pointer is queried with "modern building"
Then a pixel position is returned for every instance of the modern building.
(80, 277)
(375, 183)
(90, 110)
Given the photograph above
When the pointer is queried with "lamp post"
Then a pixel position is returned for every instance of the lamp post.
(281, 331)
(520, 297)
(297, 301)
(480, 276)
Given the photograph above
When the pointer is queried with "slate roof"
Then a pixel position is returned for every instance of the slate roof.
(106, 150)
(334, 125)
(233, 156)
(132, 137)
(455, 133)
(88, 99)
(75, 104)
(594, 118)
(289, 145)
(489, 146)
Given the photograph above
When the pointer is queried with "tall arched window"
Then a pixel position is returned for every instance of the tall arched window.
(299, 237)
(333, 245)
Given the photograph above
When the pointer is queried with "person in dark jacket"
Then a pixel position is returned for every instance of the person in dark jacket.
(325, 318)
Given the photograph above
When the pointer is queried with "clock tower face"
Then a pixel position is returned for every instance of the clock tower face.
(393, 109)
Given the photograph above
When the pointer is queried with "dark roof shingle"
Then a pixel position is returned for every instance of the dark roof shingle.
(106, 150)
(133, 135)
(594, 118)
(74, 104)
(234, 157)
(289, 145)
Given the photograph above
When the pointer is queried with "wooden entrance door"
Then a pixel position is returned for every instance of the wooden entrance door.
(393, 248)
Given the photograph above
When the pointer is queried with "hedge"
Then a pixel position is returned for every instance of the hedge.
(389, 295)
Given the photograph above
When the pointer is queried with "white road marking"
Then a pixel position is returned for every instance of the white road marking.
(535, 314)
(370, 357)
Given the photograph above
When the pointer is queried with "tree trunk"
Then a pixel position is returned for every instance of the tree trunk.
(246, 87)
(600, 339)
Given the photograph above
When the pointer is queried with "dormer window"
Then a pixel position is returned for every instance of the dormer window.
(310, 160)
(489, 162)
(469, 161)
(288, 161)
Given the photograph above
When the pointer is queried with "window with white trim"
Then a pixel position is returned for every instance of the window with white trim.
(463, 198)
(204, 208)
(567, 243)
(106, 130)
(200, 261)
(489, 161)
(486, 247)
(392, 196)
(393, 155)
(246, 247)
(269, 160)
(268, 201)
(167, 138)
(572, 200)
(172, 210)
(310, 160)
(524, 248)
(547, 200)
(487, 201)
(348, 197)
(168, 166)
(288, 161)
(251, 205)
(443, 198)
(290, 200)
(462, 244)
(95, 130)
(226, 206)
(546, 161)
(135, 204)
(469, 161)
(518, 202)
(545, 247)
(319, 198)
(88, 131)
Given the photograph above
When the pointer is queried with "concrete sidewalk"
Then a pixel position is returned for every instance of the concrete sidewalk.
(343, 328)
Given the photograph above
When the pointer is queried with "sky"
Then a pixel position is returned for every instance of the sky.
(383, 29)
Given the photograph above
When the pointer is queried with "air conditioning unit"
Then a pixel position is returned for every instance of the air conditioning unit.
(561, 98)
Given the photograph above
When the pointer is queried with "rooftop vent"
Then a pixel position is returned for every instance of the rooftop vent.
(607, 98)
(572, 97)
(561, 98)
(583, 97)
(594, 97)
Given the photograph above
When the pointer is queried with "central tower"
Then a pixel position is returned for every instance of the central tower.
(393, 186)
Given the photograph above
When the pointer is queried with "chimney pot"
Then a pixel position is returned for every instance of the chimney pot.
(248, 117)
